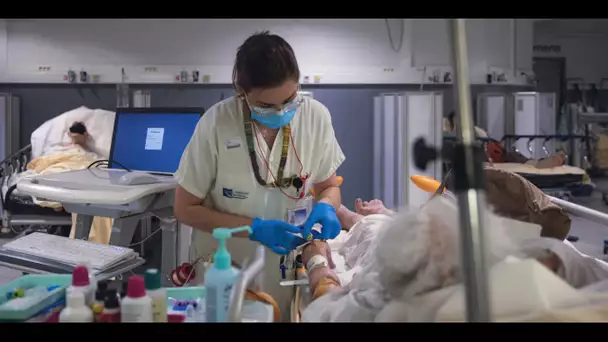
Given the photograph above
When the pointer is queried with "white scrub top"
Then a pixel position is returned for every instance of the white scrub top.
(216, 167)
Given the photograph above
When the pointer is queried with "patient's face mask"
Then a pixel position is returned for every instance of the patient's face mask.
(273, 118)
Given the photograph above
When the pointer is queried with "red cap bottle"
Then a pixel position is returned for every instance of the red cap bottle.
(136, 287)
(80, 276)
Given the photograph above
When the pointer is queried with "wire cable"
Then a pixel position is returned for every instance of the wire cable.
(106, 162)
(390, 35)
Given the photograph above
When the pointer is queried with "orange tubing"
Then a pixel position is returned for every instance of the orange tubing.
(267, 299)
(425, 183)
(340, 181)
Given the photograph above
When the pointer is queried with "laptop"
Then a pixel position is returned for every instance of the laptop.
(152, 140)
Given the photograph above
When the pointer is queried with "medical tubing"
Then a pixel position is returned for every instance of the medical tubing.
(107, 161)
(469, 185)
(443, 184)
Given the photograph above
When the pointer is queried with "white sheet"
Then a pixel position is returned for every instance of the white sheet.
(381, 289)
(52, 133)
(531, 169)
(577, 269)
(349, 250)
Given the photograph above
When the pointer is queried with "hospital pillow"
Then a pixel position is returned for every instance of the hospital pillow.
(99, 123)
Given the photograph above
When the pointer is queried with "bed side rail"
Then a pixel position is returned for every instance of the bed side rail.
(509, 141)
(513, 137)
(12, 165)
(580, 211)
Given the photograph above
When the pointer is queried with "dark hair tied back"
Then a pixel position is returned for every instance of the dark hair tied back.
(264, 61)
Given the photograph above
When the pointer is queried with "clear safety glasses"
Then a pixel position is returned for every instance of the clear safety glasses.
(291, 105)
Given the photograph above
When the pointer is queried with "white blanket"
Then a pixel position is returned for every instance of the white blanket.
(53, 133)
(531, 169)
(51, 151)
(399, 269)
(351, 250)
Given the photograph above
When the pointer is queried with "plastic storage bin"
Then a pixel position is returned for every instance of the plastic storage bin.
(252, 311)
(186, 293)
(8, 314)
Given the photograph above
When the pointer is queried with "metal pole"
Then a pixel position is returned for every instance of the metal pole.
(469, 187)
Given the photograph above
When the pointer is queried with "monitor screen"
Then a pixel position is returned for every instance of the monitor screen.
(151, 141)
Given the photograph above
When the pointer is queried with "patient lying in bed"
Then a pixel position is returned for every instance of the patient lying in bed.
(75, 155)
(79, 135)
(413, 258)
(496, 152)
(61, 158)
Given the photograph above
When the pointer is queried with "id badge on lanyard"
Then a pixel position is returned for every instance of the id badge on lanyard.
(297, 216)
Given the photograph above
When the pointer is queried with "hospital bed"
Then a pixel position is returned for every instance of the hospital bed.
(302, 296)
(19, 210)
(563, 182)
(567, 175)
(136, 150)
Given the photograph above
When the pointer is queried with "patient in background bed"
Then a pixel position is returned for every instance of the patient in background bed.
(424, 252)
(497, 153)
(72, 157)
(79, 135)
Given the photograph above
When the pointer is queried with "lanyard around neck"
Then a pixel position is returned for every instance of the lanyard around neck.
(283, 182)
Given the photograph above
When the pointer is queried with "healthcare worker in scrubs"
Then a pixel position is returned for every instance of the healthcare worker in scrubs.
(252, 161)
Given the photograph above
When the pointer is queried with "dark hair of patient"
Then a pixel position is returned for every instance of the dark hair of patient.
(78, 128)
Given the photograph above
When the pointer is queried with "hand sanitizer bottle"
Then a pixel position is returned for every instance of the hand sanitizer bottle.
(220, 277)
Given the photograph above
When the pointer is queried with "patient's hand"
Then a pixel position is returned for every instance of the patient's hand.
(374, 206)
(552, 262)
(554, 161)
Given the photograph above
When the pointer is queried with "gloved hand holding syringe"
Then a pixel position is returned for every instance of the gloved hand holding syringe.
(323, 214)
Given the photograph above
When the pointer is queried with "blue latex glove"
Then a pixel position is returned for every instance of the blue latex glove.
(325, 215)
(277, 235)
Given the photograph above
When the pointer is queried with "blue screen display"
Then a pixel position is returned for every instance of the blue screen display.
(151, 142)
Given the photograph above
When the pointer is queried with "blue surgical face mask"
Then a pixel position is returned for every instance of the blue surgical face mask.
(274, 120)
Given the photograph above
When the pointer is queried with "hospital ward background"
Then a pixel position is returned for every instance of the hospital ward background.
(536, 91)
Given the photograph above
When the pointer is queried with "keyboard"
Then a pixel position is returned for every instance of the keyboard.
(71, 252)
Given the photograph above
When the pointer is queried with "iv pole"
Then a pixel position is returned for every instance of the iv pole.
(469, 185)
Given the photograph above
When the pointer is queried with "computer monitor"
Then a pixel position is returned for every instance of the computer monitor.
(152, 139)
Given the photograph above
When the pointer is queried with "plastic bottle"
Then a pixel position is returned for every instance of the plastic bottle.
(220, 277)
(100, 296)
(158, 295)
(136, 307)
(80, 283)
(111, 308)
(76, 310)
